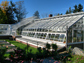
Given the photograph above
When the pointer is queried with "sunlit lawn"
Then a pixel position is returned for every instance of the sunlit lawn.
(21, 45)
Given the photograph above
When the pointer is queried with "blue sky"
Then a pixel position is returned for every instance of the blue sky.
(48, 6)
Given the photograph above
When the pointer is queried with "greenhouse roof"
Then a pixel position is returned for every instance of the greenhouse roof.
(23, 22)
(57, 23)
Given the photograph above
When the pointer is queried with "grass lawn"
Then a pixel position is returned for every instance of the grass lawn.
(21, 45)
(6, 55)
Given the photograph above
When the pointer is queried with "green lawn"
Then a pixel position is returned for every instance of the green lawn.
(21, 45)
(6, 55)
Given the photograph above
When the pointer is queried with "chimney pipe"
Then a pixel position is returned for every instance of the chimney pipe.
(50, 15)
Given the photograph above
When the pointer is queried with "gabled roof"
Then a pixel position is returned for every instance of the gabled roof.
(57, 23)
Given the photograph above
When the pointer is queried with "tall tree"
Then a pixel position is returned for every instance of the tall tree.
(75, 9)
(3, 17)
(21, 10)
(8, 11)
(36, 14)
(67, 12)
(4, 5)
(80, 7)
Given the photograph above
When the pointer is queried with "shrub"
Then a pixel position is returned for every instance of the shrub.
(2, 53)
(48, 46)
(39, 49)
(54, 46)
(17, 55)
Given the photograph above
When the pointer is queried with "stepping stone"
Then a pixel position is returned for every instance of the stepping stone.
(5, 43)
(11, 50)
(10, 46)
(2, 41)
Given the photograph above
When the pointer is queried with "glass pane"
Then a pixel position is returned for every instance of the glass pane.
(52, 36)
(56, 37)
(61, 37)
(79, 36)
(74, 36)
(70, 36)
(44, 35)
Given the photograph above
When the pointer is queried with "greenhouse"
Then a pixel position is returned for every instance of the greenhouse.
(57, 29)
(62, 30)
(5, 29)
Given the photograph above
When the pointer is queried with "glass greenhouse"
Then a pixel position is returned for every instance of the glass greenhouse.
(58, 29)
(62, 29)
(5, 29)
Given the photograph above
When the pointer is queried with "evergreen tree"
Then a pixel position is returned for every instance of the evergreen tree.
(36, 14)
(10, 12)
(80, 7)
(67, 12)
(76, 9)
